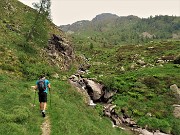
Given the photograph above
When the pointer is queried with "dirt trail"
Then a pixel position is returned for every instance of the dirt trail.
(46, 127)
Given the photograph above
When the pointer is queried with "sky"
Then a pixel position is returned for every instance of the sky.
(65, 12)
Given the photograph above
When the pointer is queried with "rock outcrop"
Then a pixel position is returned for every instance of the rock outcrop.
(60, 52)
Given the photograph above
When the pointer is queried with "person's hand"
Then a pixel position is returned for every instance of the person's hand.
(33, 87)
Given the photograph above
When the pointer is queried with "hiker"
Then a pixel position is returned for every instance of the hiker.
(42, 85)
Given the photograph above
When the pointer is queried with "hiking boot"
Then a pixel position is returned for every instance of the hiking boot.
(43, 114)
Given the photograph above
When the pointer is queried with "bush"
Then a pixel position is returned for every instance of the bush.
(151, 82)
(177, 60)
(175, 126)
(155, 124)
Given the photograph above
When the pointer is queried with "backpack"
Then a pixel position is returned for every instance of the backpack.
(41, 86)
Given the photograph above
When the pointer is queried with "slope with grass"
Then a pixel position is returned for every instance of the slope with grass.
(142, 84)
(20, 65)
(109, 29)
(139, 58)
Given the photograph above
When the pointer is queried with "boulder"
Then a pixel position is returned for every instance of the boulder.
(95, 89)
(74, 78)
(55, 75)
(175, 90)
(110, 112)
(145, 132)
(108, 95)
(141, 62)
(176, 111)
(160, 133)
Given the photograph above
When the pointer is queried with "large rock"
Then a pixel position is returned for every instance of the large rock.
(160, 133)
(145, 132)
(176, 111)
(108, 95)
(141, 62)
(94, 89)
(175, 90)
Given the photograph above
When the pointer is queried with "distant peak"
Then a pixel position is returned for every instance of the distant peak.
(105, 16)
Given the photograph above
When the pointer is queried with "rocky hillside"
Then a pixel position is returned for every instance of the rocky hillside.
(24, 57)
(47, 48)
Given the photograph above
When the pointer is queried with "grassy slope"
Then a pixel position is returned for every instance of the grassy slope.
(70, 116)
(19, 69)
(140, 90)
(68, 113)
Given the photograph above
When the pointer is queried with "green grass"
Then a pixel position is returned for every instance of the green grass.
(141, 90)
(18, 116)
(70, 115)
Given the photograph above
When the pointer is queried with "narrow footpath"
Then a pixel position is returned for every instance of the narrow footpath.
(46, 127)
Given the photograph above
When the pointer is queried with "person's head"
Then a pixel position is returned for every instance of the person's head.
(42, 77)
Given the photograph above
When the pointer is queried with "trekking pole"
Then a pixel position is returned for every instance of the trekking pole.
(50, 96)
(34, 99)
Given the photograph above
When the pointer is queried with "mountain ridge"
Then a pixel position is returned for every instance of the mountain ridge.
(125, 29)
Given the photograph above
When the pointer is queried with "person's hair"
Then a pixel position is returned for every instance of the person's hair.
(41, 76)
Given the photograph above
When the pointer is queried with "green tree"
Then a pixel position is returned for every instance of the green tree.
(44, 12)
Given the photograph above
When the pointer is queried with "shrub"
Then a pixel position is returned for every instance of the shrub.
(177, 60)
(151, 82)
(155, 124)
(99, 108)
(109, 83)
(175, 126)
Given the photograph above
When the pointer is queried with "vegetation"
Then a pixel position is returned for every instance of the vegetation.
(107, 29)
(143, 90)
(126, 64)
(20, 65)
(133, 70)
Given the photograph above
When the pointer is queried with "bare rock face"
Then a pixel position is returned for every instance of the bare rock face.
(60, 52)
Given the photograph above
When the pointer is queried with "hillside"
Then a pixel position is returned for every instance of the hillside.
(109, 29)
(47, 51)
(144, 74)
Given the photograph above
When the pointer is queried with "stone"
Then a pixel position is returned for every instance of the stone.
(175, 90)
(95, 89)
